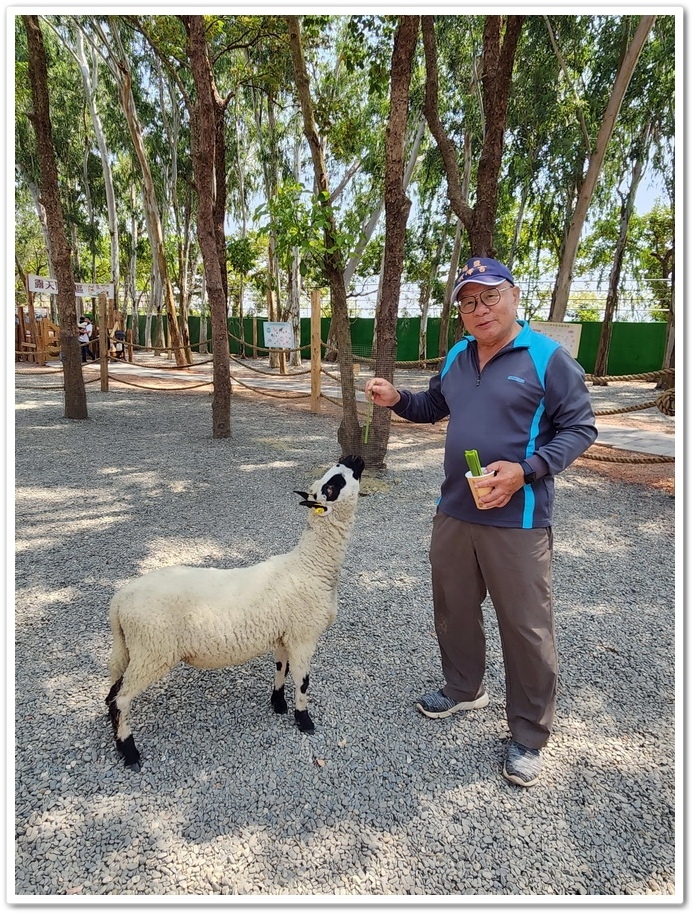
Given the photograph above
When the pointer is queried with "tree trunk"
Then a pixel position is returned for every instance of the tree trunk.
(498, 60)
(90, 87)
(396, 209)
(220, 197)
(443, 339)
(349, 432)
(496, 78)
(152, 214)
(203, 138)
(561, 290)
(426, 287)
(348, 272)
(74, 386)
(627, 207)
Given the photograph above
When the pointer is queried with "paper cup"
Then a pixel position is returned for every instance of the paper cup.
(477, 492)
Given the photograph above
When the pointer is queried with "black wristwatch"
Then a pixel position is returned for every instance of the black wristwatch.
(529, 472)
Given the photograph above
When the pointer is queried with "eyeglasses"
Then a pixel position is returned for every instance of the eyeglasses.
(489, 298)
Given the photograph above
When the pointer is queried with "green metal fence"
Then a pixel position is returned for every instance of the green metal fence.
(636, 347)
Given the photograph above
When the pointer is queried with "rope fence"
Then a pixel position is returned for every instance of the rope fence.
(664, 402)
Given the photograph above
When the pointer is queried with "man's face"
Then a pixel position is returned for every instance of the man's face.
(490, 324)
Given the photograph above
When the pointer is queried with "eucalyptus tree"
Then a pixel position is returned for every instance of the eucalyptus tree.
(204, 137)
(71, 148)
(629, 54)
(87, 62)
(349, 433)
(40, 117)
(500, 37)
(396, 206)
(107, 40)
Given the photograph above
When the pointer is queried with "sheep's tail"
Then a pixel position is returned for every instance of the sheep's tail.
(119, 650)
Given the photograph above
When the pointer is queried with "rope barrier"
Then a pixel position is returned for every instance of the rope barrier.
(39, 387)
(266, 371)
(647, 459)
(655, 376)
(665, 401)
(122, 381)
(294, 396)
(35, 373)
(606, 411)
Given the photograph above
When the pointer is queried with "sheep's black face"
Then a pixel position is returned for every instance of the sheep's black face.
(340, 483)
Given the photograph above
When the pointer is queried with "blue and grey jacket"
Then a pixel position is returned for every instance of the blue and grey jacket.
(529, 403)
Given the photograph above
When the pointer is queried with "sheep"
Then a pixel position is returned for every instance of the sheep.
(212, 618)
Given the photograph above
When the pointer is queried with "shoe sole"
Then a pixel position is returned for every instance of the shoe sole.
(478, 703)
(517, 780)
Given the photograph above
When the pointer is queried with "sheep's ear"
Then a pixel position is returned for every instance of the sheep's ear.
(301, 493)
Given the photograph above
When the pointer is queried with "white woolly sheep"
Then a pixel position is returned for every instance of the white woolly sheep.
(212, 618)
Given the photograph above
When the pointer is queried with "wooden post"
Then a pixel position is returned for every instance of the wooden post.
(315, 352)
(255, 337)
(281, 354)
(20, 335)
(129, 344)
(103, 344)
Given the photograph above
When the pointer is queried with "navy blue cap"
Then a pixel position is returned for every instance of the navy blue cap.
(487, 271)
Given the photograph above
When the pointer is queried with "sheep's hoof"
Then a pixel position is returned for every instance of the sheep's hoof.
(304, 722)
(278, 701)
(129, 752)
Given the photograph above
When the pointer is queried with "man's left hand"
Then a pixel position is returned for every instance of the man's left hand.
(509, 477)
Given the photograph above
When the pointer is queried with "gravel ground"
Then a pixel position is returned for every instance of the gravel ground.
(233, 799)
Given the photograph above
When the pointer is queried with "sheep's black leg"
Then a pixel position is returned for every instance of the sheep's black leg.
(282, 667)
(129, 752)
(125, 746)
(115, 687)
(114, 713)
(302, 717)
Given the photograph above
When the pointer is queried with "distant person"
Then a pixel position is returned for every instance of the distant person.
(85, 327)
(119, 344)
(521, 401)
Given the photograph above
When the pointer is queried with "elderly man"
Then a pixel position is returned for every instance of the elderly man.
(521, 401)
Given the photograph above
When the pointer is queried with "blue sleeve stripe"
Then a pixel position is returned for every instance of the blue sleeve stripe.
(529, 498)
(452, 355)
(541, 349)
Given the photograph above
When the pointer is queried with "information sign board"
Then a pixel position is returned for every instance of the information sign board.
(567, 334)
(278, 335)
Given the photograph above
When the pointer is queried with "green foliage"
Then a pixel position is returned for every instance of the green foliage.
(349, 59)
(242, 255)
(585, 306)
(301, 222)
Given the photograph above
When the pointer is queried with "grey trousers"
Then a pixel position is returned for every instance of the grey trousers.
(512, 565)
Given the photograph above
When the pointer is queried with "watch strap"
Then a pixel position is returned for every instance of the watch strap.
(529, 472)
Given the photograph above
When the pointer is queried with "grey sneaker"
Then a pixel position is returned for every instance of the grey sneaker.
(437, 705)
(522, 764)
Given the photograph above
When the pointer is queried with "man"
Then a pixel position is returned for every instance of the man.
(85, 327)
(521, 401)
